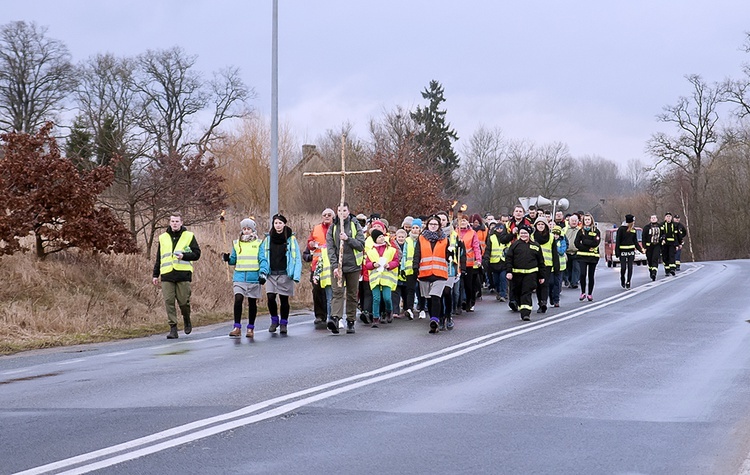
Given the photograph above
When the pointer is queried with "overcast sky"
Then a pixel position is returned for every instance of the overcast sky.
(589, 73)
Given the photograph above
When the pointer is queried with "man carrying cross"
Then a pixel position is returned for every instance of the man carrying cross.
(345, 231)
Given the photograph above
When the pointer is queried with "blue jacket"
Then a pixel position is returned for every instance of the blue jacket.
(293, 257)
(248, 276)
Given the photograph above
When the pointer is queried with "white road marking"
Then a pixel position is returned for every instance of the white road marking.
(324, 391)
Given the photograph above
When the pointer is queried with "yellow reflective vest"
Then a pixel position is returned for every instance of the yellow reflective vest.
(169, 261)
(384, 277)
(247, 255)
(325, 273)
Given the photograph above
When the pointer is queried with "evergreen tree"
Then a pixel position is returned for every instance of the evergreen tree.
(436, 137)
(78, 147)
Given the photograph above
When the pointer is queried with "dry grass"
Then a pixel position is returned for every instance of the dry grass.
(75, 297)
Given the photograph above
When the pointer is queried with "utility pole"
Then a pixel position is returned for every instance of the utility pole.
(274, 201)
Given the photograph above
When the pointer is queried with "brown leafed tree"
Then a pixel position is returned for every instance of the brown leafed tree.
(404, 187)
(44, 195)
(189, 184)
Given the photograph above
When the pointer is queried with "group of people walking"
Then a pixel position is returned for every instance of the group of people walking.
(432, 267)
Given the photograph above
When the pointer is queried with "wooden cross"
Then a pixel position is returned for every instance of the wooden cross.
(343, 173)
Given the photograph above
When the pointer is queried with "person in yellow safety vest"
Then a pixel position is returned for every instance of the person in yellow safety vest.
(382, 262)
(345, 229)
(249, 267)
(494, 260)
(544, 238)
(524, 265)
(560, 247)
(365, 292)
(175, 254)
(316, 244)
(322, 278)
(407, 278)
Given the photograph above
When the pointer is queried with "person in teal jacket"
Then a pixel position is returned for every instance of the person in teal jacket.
(281, 250)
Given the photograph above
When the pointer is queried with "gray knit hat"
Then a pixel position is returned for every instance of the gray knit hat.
(248, 223)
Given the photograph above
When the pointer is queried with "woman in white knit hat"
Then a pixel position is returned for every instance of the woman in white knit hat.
(249, 268)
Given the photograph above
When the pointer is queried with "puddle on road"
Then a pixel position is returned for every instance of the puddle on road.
(31, 378)
(172, 353)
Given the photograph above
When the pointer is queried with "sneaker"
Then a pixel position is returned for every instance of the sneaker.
(410, 314)
(470, 309)
(449, 323)
(525, 318)
(433, 325)
(513, 306)
(422, 314)
(318, 321)
(375, 322)
(349, 327)
(189, 326)
(574, 286)
(172, 332)
(235, 332)
(441, 327)
(333, 325)
(542, 309)
(282, 329)
(590, 298)
(582, 297)
(627, 285)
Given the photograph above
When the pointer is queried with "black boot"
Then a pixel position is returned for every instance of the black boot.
(172, 332)
(188, 324)
(350, 326)
(333, 325)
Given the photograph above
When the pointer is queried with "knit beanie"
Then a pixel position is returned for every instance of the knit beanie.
(375, 234)
(280, 217)
(248, 223)
(407, 222)
(416, 222)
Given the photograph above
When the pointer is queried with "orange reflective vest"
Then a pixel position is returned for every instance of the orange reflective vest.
(318, 234)
(468, 239)
(432, 261)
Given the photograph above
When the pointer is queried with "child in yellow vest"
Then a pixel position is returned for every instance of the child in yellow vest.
(381, 260)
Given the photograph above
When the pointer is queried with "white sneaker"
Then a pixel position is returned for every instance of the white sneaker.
(422, 314)
(341, 323)
(409, 314)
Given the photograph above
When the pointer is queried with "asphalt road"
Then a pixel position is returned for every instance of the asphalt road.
(654, 380)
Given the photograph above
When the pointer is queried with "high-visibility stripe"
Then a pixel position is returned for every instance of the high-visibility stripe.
(169, 261)
(525, 271)
(430, 263)
(247, 255)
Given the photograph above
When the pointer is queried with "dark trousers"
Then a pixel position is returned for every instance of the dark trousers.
(523, 285)
(626, 265)
(668, 257)
(652, 257)
(320, 302)
(542, 292)
(469, 279)
(587, 276)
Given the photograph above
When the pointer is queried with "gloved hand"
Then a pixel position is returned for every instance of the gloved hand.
(262, 279)
(225, 257)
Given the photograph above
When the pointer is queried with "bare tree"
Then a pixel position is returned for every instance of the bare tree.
(172, 93)
(697, 122)
(35, 76)
(481, 170)
(554, 171)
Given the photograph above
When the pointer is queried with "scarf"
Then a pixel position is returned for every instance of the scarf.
(433, 236)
